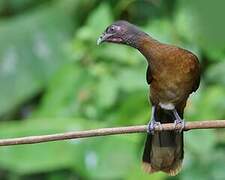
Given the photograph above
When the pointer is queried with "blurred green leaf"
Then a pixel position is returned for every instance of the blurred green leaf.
(107, 92)
(205, 29)
(112, 162)
(216, 74)
(89, 156)
(92, 27)
(62, 97)
(202, 160)
(33, 50)
(209, 104)
(20, 159)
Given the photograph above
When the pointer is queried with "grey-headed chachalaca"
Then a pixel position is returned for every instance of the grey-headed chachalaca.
(173, 74)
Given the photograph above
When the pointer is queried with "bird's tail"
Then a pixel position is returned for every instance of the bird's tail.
(164, 150)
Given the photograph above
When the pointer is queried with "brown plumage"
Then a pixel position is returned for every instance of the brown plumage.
(173, 74)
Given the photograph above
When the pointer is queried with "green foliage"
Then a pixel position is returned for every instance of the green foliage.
(32, 52)
(54, 78)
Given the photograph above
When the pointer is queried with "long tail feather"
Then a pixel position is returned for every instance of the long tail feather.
(164, 150)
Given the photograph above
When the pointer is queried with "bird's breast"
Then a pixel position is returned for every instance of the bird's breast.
(173, 73)
(170, 84)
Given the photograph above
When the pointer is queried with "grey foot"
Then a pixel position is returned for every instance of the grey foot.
(152, 125)
(179, 125)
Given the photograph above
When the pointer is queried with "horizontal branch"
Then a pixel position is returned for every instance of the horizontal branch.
(108, 131)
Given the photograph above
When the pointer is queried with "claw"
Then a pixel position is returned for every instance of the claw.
(179, 125)
(153, 123)
(152, 126)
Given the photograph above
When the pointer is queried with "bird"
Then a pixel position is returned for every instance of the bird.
(173, 73)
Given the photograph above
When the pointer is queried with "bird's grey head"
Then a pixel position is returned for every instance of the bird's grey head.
(121, 32)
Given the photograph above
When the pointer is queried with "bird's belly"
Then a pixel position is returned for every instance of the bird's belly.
(167, 94)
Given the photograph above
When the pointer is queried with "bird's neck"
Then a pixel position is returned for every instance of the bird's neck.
(148, 46)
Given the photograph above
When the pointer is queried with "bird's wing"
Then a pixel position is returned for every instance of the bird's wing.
(198, 73)
(148, 75)
(197, 83)
(193, 65)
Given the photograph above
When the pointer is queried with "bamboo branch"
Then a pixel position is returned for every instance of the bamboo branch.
(108, 131)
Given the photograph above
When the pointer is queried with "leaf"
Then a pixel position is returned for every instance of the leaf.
(93, 28)
(208, 104)
(202, 28)
(216, 74)
(193, 139)
(23, 159)
(32, 52)
(62, 96)
(87, 156)
(107, 91)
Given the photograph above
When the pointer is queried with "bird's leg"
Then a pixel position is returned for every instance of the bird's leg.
(178, 122)
(153, 123)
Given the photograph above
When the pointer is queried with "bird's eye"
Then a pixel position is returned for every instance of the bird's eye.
(111, 29)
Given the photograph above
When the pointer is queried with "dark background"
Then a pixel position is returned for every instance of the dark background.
(54, 78)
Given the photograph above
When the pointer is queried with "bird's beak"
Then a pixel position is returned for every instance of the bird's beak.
(103, 38)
